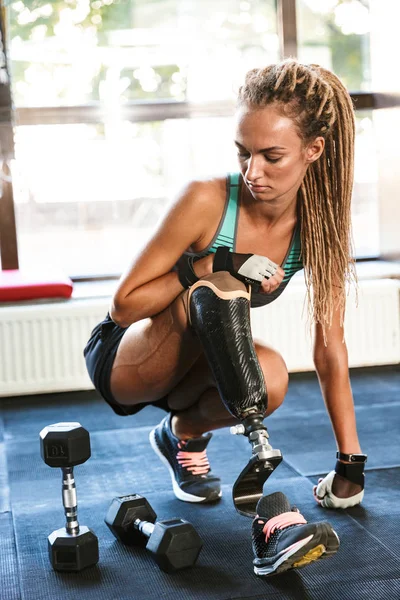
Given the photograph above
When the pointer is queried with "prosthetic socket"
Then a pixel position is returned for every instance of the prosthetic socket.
(221, 319)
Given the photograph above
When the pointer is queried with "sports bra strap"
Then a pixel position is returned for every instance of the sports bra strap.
(226, 235)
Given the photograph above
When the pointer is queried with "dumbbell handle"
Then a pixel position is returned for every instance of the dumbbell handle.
(70, 500)
(144, 527)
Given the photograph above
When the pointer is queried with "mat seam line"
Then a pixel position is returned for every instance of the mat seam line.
(374, 537)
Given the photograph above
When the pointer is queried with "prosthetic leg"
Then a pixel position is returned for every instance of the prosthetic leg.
(221, 320)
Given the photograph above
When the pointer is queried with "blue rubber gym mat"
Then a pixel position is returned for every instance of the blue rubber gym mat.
(22, 414)
(379, 512)
(307, 442)
(308, 445)
(4, 488)
(224, 569)
(367, 565)
(9, 576)
(121, 460)
(1, 427)
(367, 590)
(370, 387)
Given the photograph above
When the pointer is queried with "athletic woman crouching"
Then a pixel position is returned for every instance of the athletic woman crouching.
(288, 208)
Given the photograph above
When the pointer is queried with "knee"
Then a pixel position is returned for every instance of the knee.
(276, 376)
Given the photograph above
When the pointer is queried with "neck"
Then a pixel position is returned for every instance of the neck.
(280, 211)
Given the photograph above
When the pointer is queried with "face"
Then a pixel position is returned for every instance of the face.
(272, 157)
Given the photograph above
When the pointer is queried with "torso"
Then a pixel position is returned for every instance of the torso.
(271, 242)
(250, 237)
(244, 234)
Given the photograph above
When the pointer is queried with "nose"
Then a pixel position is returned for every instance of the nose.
(254, 169)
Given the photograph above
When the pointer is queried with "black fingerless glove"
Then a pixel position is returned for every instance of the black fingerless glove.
(353, 472)
(225, 260)
(186, 274)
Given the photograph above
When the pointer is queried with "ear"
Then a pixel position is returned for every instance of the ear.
(315, 149)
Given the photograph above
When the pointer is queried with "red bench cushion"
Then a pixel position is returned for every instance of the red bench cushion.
(16, 285)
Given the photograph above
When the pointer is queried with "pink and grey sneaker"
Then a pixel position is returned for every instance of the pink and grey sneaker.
(187, 462)
(282, 538)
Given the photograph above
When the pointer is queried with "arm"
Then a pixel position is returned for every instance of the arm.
(149, 285)
(331, 364)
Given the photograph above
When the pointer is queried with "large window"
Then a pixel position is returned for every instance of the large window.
(336, 35)
(91, 192)
(120, 102)
(69, 52)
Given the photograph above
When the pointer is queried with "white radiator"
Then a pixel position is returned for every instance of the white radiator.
(372, 329)
(41, 344)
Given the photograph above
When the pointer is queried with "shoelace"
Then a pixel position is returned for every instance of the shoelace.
(281, 522)
(196, 462)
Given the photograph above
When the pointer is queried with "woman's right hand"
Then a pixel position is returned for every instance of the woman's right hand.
(270, 285)
(260, 272)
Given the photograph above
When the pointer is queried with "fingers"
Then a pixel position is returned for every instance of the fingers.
(271, 284)
(322, 491)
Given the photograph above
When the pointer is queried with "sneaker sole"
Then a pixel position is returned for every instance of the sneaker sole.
(322, 544)
(180, 494)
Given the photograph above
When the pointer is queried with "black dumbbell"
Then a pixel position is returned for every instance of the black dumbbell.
(74, 547)
(174, 543)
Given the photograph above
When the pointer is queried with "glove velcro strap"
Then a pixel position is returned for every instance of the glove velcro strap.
(186, 274)
(353, 472)
(220, 262)
(223, 262)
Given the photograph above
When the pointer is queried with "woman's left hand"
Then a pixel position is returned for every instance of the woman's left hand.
(270, 285)
(347, 493)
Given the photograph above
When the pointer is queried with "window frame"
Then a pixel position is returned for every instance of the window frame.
(141, 112)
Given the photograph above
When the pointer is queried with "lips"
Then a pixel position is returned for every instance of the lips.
(258, 188)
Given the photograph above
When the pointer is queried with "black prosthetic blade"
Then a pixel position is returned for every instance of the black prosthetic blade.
(248, 487)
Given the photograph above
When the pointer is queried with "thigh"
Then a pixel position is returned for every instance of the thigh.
(154, 355)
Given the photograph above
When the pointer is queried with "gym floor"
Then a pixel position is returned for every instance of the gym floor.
(367, 564)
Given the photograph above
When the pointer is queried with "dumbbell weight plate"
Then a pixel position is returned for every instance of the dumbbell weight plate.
(175, 544)
(64, 445)
(73, 552)
(121, 515)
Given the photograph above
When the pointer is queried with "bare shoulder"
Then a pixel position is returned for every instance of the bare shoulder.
(203, 194)
(185, 223)
(208, 197)
(194, 208)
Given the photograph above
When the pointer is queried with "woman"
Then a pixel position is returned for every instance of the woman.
(288, 206)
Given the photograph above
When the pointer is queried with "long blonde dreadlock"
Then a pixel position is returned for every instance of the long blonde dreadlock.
(320, 105)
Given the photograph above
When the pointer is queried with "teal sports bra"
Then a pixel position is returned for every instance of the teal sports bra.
(226, 236)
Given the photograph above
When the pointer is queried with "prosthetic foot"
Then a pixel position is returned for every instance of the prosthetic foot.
(221, 320)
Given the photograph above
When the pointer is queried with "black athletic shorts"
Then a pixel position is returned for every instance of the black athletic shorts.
(99, 355)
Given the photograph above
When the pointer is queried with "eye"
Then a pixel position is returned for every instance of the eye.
(272, 160)
(242, 154)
